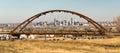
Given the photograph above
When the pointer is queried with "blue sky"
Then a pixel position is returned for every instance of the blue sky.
(19, 10)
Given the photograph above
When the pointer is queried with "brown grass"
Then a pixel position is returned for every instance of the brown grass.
(67, 46)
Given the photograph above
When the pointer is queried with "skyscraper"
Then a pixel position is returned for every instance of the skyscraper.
(71, 21)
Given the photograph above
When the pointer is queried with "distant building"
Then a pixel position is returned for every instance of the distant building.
(3, 25)
(71, 21)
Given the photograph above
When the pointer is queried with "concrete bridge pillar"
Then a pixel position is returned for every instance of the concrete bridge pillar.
(65, 37)
(10, 37)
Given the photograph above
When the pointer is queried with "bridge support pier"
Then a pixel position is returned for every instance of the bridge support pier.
(10, 37)
(65, 37)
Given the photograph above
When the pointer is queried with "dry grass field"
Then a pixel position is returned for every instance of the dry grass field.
(63, 46)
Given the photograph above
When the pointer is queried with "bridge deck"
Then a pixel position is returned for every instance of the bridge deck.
(65, 33)
(57, 33)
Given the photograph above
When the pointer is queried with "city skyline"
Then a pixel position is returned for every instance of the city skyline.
(56, 22)
(17, 11)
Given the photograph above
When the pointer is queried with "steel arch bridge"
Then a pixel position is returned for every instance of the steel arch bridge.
(20, 27)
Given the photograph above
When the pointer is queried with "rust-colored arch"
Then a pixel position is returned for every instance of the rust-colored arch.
(29, 20)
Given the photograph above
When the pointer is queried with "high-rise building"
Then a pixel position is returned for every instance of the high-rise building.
(71, 21)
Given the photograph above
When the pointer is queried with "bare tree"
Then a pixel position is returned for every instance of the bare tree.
(118, 22)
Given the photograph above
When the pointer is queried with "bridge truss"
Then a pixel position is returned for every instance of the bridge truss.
(20, 27)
